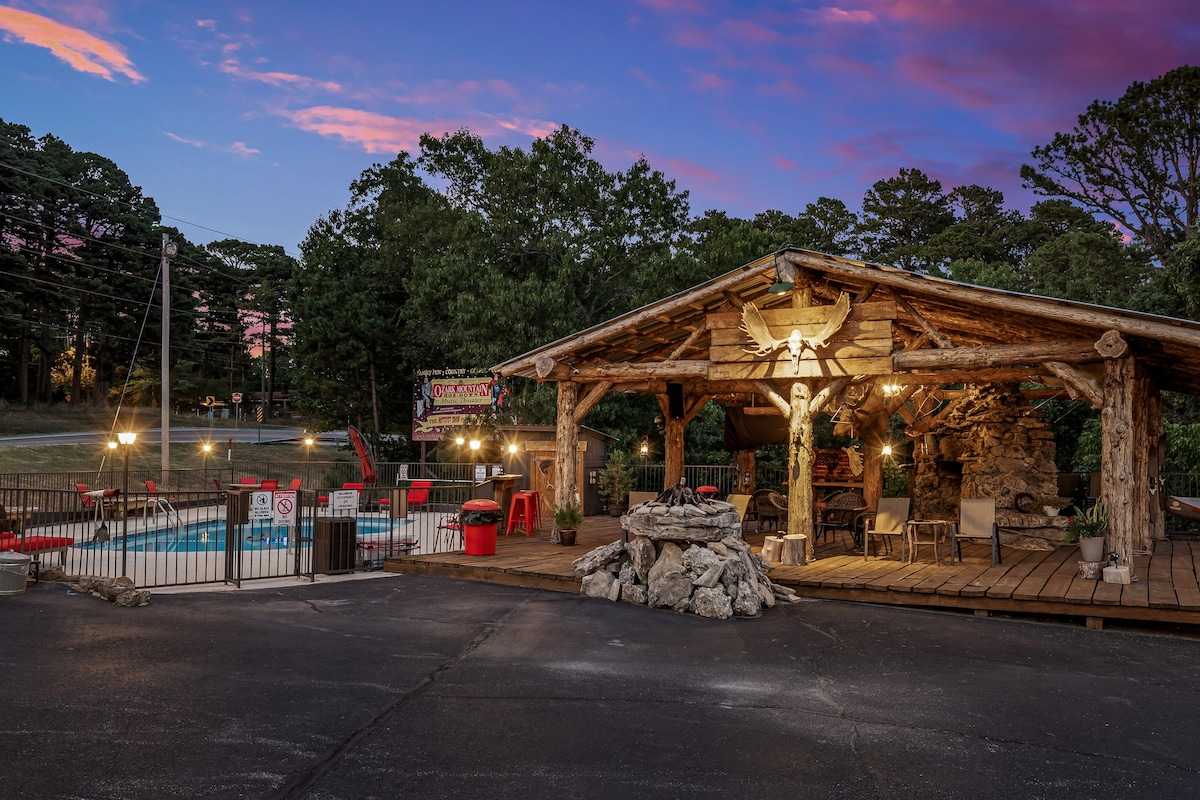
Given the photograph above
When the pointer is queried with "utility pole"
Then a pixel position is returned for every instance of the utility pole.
(169, 249)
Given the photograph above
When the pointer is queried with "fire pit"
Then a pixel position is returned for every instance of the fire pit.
(684, 552)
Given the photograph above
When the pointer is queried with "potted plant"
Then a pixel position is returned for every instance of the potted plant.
(567, 519)
(615, 481)
(1089, 528)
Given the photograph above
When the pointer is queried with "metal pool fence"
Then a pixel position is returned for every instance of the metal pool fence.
(176, 538)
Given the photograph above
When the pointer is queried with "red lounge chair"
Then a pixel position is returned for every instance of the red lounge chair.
(269, 486)
(295, 484)
(152, 489)
(418, 493)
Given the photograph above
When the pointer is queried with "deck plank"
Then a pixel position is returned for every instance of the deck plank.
(1038, 582)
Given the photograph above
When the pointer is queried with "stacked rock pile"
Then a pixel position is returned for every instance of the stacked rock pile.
(685, 553)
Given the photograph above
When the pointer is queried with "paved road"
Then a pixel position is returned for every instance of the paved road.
(201, 434)
(412, 687)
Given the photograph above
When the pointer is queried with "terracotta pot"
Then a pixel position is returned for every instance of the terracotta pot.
(567, 537)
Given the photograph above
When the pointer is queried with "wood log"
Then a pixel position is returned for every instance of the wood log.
(1118, 429)
(1000, 355)
(566, 445)
(1003, 302)
(800, 465)
(1091, 570)
(1111, 345)
(660, 370)
(543, 366)
(794, 553)
(688, 342)
(1077, 383)
(924, 324)
(772, 550)
(595, 394)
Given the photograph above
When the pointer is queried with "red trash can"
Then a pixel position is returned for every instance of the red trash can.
(480, 519)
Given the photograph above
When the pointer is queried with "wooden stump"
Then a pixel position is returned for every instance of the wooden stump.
(1091, 570)
(793, 550)
(772, 549)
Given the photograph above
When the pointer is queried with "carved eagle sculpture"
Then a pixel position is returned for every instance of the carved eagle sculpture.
(754, 326)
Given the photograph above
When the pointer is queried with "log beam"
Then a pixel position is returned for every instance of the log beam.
(1000, 355)
(1078, 384)
(627, 371)
(594, 395)
(924, 324)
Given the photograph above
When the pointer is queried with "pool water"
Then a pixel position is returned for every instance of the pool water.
(207, 536)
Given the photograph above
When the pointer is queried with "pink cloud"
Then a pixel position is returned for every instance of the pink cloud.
(232, 67)
(838, 16)
(237, 148)
(78, 49)
(710, 81)
(380, 133)
(643, 77)
(784, 163)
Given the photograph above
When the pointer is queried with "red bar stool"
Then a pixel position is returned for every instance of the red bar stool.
(536, 505)
(520, 513)
(707, 491)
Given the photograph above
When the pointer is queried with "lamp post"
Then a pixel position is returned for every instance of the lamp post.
(308, 445)
(112, 467)
(207, 448)
(126, 438)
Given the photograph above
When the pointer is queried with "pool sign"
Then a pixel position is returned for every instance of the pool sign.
(344, 500)
(260, 505)
(285, 508)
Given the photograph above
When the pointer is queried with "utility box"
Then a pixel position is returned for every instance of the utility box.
(335, 545)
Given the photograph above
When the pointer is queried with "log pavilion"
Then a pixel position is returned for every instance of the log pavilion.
(799, 333)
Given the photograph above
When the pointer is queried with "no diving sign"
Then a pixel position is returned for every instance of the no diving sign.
(285, 508)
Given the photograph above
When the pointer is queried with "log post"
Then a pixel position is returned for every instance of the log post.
(1118, 430)
(800, 466)
(566, 450)
(745, 471)
(772, 551)
(873, 432)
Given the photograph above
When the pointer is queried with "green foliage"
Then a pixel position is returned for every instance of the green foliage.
(1087, 524)
(1135, 160)
(568, 517)
(616, 479)
(900, 215)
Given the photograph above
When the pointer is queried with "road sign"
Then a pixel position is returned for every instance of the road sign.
(237, 397)
(285, 508)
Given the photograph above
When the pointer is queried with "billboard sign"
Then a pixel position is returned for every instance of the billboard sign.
(446, 398)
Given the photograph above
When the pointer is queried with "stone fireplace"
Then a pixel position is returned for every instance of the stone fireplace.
(993, 443)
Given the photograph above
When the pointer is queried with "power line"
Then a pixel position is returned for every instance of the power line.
(141, 253)
(131, 205)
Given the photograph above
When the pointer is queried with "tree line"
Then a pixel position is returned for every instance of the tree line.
(461, 255)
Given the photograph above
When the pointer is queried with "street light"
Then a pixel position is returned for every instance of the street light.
(207, 448)
(126, 438)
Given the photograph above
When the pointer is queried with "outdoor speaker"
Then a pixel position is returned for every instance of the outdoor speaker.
(675, 400)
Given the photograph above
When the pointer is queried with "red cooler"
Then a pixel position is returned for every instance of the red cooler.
(480, 519)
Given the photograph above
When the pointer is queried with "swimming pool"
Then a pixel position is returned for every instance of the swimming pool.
(209, 536)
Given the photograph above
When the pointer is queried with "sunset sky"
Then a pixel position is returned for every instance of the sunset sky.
(251, 120)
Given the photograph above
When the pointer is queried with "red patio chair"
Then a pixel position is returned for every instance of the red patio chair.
(269, 486)
(295, 484)
(152, 489)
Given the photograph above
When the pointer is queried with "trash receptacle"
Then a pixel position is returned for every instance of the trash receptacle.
(14, 570)
(479, 519)
(335, 545)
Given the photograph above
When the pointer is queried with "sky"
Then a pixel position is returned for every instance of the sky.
(250, 120)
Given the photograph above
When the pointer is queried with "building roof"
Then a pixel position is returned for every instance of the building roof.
(674, 334)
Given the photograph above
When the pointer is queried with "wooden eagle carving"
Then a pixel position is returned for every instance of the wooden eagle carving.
(754, 326)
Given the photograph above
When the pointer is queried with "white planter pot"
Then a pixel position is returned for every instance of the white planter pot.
(1092, 548)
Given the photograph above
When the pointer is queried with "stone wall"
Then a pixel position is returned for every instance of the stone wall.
(991, 444)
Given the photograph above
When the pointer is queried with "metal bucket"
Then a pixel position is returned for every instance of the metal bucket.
(14, 570)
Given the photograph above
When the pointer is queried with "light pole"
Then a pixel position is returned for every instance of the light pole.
(207, 448)
(308, 445)
(126, 438)
(112, 467)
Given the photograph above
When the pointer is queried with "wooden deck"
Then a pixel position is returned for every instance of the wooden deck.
(1028, 582)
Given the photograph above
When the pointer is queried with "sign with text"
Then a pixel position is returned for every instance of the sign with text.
(344, 500)
(284, 503)
(446, 398)
(260, 505)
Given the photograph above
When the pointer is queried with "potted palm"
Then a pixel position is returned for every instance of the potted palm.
(567, 519)
(615, 481)
(1089, 528)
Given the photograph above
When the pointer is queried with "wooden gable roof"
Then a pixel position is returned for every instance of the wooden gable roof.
(995, 334)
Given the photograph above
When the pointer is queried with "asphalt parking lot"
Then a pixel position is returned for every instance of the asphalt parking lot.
(402, 686)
